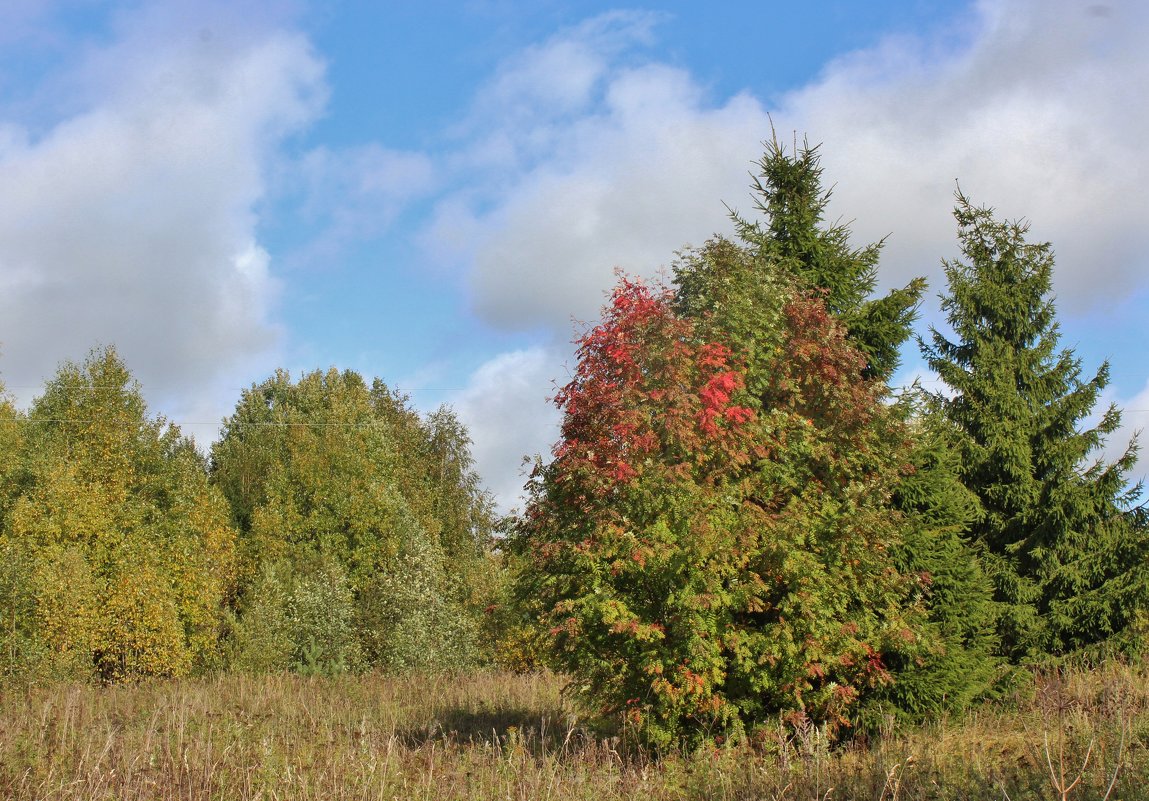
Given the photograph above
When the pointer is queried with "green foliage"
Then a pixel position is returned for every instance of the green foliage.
(260, 639)
(320, 617)
(935, 511)
(790, 196)
(518, 642)
(327, 471)
(1065, 556)
(126, 551)
(408, 616)
(22, 649)
(938, 510)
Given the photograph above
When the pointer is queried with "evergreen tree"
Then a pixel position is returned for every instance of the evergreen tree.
(794, 237)
(937, 512)
(1065, 557)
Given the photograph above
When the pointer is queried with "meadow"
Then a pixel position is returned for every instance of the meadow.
(507, 736)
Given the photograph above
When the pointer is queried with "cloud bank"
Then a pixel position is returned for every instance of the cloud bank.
(132, 219)
(600, 159)
(590, 156)
(505, 410)
(1031, 108)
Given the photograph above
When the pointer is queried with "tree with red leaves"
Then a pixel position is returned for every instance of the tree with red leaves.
(709, 545)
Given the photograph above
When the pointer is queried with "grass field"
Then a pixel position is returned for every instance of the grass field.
(501, 736)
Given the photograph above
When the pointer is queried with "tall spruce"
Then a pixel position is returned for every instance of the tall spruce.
(937, 510)
(1064, 554)
(794, 236)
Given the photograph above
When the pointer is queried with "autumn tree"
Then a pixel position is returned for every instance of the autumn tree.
(707, 552)
(1065, 556)
(130, 551)
(21, 650)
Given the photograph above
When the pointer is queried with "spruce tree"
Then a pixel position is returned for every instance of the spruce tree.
(794, 236)
(937, 511)
(1062, 551)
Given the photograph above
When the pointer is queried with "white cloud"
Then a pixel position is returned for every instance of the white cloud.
(591, 158)
(1032, 109)
(917, 373)
(132, 220)
(369, 180)
(521, 113)
(1032, 104)
(506, 411)
(624, 164)
(355, 193)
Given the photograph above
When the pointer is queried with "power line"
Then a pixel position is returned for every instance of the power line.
(249, 423)
(235, 389)
(267, 423)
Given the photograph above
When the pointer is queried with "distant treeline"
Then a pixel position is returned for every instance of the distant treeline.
(740, 520)
(332, 529)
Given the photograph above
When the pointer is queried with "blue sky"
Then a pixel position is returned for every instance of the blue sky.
(431, 193)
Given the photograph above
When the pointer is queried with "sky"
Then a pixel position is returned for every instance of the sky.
(438, 193)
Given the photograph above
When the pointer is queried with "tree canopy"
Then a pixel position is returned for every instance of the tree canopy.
(742, 524)
(355, 513)
(129, 552)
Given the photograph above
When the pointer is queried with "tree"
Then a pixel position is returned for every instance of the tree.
(131, 550)
(463, 509)
(21, 649)
(791, 198)
(937, 512)
(707, 552)
(1064, 555)
(339, 486)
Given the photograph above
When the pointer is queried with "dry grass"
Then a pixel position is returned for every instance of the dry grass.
(499, 736)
